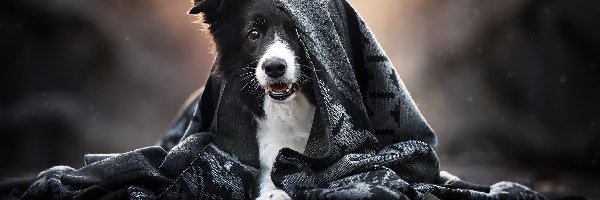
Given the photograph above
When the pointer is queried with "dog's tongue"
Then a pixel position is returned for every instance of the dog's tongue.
(278, 87)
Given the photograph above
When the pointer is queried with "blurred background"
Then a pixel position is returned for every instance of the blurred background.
(512, 88)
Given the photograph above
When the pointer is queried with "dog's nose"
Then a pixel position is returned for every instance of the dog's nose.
(275, 68)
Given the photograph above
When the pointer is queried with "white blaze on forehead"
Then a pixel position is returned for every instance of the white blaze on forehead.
(278, 49)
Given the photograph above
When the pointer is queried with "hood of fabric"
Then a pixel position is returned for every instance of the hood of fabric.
(360, 99)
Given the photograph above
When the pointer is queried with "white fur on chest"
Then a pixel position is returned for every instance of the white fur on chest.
(285, 124)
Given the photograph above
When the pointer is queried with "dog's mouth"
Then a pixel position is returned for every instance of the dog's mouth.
(281, 91)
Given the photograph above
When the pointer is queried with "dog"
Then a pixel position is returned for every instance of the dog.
(257, 44)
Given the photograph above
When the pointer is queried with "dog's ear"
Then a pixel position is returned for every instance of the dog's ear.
(214, 10)
(206, 6)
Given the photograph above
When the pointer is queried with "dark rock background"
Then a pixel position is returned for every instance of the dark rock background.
(512, 88)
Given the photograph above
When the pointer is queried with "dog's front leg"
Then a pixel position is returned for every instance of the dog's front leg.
(268, 152)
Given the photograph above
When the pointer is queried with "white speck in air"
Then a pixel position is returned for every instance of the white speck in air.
(563, 78)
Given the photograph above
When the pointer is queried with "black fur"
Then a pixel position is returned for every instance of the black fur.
(230, 22)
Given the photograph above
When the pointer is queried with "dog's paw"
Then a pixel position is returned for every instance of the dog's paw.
(274, 195)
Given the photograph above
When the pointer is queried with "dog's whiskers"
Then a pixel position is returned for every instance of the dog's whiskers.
(246, 75)
(256, 86)
(250, 82)
(246, 69)
(245, 85)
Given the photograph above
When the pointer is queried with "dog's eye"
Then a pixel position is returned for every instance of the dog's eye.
(253, 34)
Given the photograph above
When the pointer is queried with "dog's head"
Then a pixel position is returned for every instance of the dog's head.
(257, 42)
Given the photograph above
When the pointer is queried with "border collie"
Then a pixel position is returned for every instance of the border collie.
(258, 44)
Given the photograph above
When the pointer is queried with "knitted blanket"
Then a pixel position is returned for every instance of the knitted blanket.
(368, 139)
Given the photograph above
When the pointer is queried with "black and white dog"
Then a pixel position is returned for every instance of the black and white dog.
(257, 44)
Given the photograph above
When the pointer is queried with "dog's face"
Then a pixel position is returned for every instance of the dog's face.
(258, 44)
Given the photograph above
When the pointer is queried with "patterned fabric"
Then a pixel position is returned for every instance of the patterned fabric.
(368, 140)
